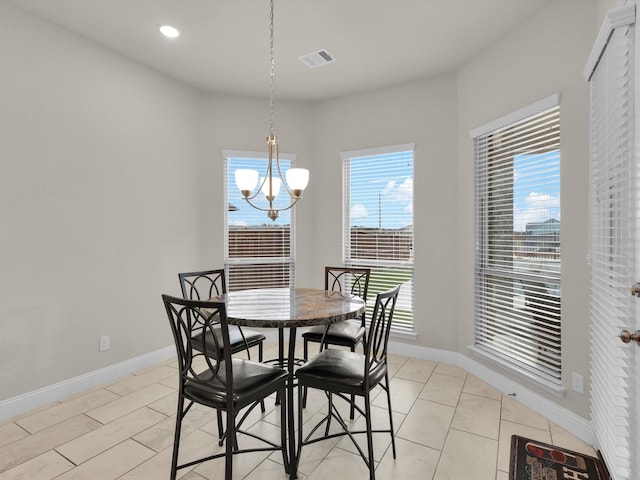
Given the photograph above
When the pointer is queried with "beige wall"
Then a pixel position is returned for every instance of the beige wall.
(98, 203)
(111, 183)
(108, 169)
(544, 56)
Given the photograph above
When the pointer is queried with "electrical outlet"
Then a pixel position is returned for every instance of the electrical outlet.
(104, 343)
(577, 383)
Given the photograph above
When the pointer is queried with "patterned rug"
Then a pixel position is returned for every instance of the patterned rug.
(533, 460)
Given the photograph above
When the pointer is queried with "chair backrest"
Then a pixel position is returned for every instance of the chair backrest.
(202, 285)
(193, 318)
(347, 280)
(380, 327)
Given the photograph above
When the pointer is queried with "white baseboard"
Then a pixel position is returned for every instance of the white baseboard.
(572, 423)
(566, 419)
(51, 393)
(423, 353)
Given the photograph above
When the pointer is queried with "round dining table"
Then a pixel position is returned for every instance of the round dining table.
(289, 308)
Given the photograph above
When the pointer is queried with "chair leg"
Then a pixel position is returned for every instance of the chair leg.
(393, 438)
(329, 412)
(352, 411)
(300, 435)
(260, 360)
(220, 427)
(372, 465)
(281, 357)
(230, 444)
(305, 356)
(176, 438)
(283, 431)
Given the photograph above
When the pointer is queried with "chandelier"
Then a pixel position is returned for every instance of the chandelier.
(296, 178)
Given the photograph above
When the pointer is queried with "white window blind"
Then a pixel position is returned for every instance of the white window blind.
(612, 251)
(258, 251)
(378, 223)
(517, 228)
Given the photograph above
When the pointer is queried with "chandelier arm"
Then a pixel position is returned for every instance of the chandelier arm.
(257, 207)
(293, 202)
(282, 179)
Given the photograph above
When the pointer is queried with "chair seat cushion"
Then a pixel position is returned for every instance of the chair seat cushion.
(235, 339)
(342, 333)
(251, 382)
(339, 370)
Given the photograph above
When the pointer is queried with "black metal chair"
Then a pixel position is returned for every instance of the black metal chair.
(343, 373)
(225, 383)
(211, 283)
(351, 332)
(203, 286)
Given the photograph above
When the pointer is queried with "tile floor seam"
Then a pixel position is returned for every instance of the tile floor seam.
(482, 396)
(408, 440)
(64, 456)
(444, 443)
(21, 428)
(457, 429)
(440, 452)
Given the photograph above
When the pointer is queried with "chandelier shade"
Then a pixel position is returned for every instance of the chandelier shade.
(246, 180)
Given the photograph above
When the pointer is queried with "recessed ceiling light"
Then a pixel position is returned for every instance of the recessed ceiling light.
(169, 31)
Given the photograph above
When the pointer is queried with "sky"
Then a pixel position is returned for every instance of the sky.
(533, 202)
(382, 190)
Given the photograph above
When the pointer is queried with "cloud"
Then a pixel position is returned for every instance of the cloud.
(359, 211)
(388, 190)
(538, 207)
(408, 208)
(405, 190)
(399, 193)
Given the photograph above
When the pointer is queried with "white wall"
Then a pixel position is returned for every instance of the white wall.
(543, 56)
(98, 203)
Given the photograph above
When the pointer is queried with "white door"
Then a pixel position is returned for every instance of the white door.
(635, 348)
(615, 242)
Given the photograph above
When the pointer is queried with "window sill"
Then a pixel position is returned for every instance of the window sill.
(557, 390)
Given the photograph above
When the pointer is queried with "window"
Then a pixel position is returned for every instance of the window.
(258, 251)
(517, 228)
(378, 222)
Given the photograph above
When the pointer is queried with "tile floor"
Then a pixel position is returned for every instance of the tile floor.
(449, 424)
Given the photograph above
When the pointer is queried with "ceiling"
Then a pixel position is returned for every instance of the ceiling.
(224, 46)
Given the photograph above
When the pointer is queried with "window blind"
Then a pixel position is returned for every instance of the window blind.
(612, 251)
(518, 259)
(258, 251)
(378, 223)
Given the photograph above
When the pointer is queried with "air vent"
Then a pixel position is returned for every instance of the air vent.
(317, 59)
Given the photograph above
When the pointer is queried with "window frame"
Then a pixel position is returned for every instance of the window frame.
(494, 274)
